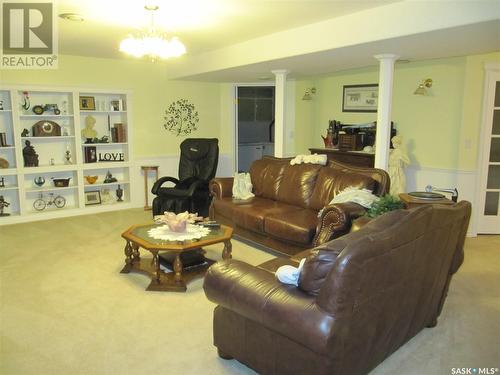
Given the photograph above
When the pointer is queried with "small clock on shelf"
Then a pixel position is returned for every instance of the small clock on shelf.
(46, 128)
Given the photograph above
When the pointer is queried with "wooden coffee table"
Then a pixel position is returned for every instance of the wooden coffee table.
(137, 237)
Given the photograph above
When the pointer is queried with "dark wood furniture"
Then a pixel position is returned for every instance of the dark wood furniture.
(350, 142)
(137, 237)
(412, 202)
(357, 158)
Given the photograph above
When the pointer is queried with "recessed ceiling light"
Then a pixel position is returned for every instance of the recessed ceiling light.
(403, 61)
(264, 78)
(72, 17)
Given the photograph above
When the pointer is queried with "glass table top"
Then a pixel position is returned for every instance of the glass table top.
(141, 232)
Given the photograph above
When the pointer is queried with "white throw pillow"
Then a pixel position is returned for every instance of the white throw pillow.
(364, 197)
(289, 274)
(242, 186)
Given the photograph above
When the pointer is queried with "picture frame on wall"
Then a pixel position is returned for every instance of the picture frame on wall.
(87, 103)
(360, 98)
(92, 197)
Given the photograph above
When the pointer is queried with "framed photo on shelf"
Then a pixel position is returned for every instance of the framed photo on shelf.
(92, 197)
(87, 103)
(90, 154)
(360, 98)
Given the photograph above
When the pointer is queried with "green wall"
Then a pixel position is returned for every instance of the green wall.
(152, 93)
(441, 130)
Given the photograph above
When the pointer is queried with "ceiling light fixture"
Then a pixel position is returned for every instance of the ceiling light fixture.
(308, 95)
(152, 43)
(422, 88)
(72, 17)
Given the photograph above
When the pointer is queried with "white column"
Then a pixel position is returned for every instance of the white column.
(279, 112)
(383, 138)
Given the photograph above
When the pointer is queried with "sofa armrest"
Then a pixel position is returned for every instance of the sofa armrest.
(221, 187)
(335, 220)
(257, 295)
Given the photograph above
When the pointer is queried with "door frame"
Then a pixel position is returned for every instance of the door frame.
(491, 70)
(235, 116)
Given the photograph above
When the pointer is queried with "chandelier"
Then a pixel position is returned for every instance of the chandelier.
(152, 43)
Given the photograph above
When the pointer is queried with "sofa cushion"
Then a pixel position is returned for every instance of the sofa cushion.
(321, 259)
(266, 175)
(331, 181)
(297, 184)
(296, 226)
(251, 215)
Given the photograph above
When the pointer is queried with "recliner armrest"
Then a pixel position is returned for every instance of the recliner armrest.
(221, 187)
(259, 296)
(335, 220)
(161, 181)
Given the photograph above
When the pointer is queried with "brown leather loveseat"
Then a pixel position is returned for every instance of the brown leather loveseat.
(359, 298)
(283, 215)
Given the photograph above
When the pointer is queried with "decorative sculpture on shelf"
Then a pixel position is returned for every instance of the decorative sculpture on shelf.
(181, 118)
(328, 139)
(398, 160)
(68, 158)
(29, 155)
(3, 204)
(119, 194)
(89, 133)
(109, 178)
(26, 101)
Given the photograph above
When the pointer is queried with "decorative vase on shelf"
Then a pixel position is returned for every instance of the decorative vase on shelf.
(39, 181)
(119, 194)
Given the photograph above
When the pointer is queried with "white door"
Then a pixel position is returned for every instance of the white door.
(489, 188)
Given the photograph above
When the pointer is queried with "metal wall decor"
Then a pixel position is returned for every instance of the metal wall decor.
(181, 118)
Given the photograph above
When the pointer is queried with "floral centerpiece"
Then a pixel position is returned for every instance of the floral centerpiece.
(177, 222)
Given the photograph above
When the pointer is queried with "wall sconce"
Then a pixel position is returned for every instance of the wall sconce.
(308, 95)
(422, 88)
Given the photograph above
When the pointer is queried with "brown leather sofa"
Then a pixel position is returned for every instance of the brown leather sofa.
(283, 215)
(360, 297)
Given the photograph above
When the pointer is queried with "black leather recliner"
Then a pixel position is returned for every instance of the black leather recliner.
(197, 166)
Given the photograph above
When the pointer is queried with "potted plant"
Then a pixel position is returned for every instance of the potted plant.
(384, 204)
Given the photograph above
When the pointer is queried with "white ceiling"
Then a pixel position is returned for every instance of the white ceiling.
(458, 41)
(202, 25)
(213, 25)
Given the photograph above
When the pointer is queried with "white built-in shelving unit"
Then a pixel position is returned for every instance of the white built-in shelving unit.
(20, 190)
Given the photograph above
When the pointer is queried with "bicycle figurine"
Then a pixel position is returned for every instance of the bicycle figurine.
(41, 203)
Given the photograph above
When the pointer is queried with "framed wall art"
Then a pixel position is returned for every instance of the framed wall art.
(360, 98)
(87, 103)
(92, 197)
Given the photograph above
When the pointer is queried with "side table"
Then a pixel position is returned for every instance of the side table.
(412, 202)
(146, 169)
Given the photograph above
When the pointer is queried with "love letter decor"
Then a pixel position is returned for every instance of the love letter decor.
(111, 156)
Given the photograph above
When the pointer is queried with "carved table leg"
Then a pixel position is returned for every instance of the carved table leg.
(136, 256)
(178, 268)
(128, 258)
(226, 253)
(156, 267)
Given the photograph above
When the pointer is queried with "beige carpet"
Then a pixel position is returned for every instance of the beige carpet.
(66, 309)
